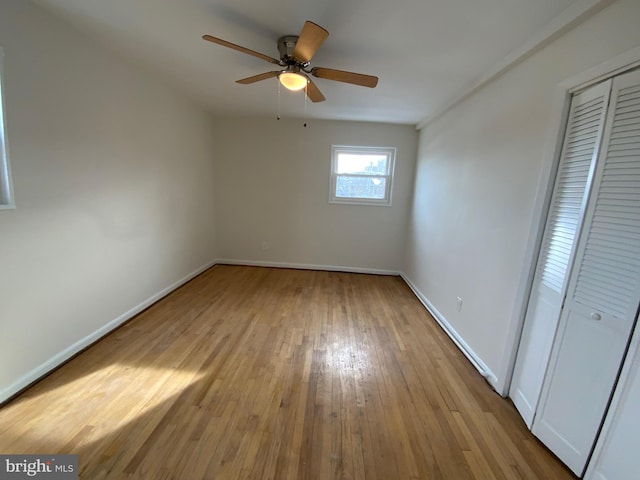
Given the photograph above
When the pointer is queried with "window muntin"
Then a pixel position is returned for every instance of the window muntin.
(362, 175)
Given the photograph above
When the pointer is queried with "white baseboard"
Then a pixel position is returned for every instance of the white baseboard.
(468, 352)
(306, 266)
(83, 343)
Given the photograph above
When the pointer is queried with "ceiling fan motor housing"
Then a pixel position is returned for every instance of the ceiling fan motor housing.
(286, 45)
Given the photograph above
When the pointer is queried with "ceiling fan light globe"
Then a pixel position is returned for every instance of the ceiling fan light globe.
(292, 81)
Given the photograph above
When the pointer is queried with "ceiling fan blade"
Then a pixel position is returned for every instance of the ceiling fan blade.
(309, 41)
(248, 51)
(346, 77)
(313, 92)
(257, 78)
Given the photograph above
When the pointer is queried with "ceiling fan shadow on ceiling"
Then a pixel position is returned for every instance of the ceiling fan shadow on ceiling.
(296, 53)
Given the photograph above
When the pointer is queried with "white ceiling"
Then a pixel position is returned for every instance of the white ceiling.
(425, 52)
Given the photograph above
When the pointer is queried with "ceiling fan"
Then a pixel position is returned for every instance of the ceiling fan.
(295, 56)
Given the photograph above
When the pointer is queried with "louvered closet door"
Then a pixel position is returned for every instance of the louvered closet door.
(603, 294)
(575, 171)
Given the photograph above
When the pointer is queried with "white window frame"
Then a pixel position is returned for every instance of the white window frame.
(6, 190)
(389, 152)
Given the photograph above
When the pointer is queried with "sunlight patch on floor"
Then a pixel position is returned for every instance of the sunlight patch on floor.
(128, 392)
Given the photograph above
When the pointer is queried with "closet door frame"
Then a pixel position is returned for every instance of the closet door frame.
(546, 181)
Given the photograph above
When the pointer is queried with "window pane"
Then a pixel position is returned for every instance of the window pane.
(361, 187)
(359, 163)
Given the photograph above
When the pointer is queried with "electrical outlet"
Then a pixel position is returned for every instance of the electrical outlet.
(459, 304)
(264, 246)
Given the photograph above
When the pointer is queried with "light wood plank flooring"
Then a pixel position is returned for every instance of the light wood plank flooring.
(277, 374)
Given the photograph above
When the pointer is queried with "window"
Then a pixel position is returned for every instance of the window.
(362, 175)
(6, 197)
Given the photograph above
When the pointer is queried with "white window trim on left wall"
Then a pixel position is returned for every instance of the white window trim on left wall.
(6, 189)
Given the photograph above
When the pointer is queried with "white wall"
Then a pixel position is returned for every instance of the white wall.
(476, 183)
(113, 179)
(272, 200)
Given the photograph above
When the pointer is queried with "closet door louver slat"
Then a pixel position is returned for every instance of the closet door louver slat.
(582, 138)
(619, 187)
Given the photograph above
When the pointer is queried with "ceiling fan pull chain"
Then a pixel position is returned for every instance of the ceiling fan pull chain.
(278, 112)
(305, 104)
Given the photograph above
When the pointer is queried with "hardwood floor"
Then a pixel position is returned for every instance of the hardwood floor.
(277, 374)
